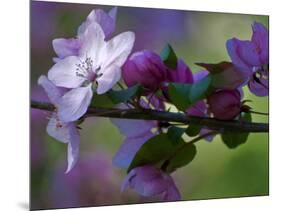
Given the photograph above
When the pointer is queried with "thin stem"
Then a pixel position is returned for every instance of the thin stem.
(148, 114)
(260, 113)
(120, 85)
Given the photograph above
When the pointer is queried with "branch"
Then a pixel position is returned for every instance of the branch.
(147, 114)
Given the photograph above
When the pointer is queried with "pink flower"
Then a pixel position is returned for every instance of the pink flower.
(65, 132)
(98, 62)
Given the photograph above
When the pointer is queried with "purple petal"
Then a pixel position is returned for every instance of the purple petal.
(204, 131)
(106, 21)
(73, 147)
(182, 74)
(63, 73)
(150, 181)
(243, 54)
(146, 68)
(128, 150)
(200, 75)
(133, 128)
(74, 103)
(198, 109)
(261, 39)
(113, 13)
(54, 93)
(109, 78)
(151, 187)
(259, 89)
(66, 47)
(172, 194)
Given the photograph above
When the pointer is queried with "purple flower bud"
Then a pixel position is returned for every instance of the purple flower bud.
(146, 68)
(149, 181)
(225, 104)
(182, 74)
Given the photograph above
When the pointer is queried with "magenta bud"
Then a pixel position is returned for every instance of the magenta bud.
(182, 74)
(146, 68)
(225, 104)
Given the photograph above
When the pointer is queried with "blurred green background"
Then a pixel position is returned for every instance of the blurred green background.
(216, 172)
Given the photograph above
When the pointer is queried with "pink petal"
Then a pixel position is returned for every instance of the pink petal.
(54, 93)
(109, 78)
(73, 147)
(66, 47)
(63, 73)
(74, 103)
(118, 49)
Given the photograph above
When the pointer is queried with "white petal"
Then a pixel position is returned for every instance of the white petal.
(75, 103)
(73, 149)
(63, 73)
(92, 43)
(118, 49)
(54, 93)
(58, 130)
(109, 78)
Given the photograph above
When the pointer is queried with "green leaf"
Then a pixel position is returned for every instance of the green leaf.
(102, 101)
(121, 96)
(193, 130)
(200, 89)
(169, 57)
(156, 149)
(233, 140)
(182, 157)
(179, 95)
(185, 95)
(175, 133)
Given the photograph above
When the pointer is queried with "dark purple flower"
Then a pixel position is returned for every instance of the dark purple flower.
(225, 104)
(149, 181)
(252, 57)
(145, 68)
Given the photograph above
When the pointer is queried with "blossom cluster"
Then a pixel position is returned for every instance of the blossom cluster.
(94, 61)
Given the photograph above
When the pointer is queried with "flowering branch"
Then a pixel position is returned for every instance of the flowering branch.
(148, 114)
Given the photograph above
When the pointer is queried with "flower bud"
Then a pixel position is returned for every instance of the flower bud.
(225, 104)
(182, 74)
(145, 68)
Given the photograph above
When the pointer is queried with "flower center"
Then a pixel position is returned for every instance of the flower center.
(87, 70)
